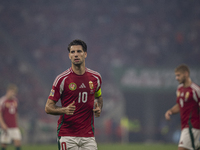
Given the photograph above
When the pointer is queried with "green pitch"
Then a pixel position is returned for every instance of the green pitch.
(112, 146)
(137, 147)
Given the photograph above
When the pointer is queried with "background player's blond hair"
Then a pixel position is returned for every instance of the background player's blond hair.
(182, 68)
(12, 87)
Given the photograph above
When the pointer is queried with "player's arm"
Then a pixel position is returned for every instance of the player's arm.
(175, 109)
(2, 123)
(98, 105)
(99, 101)
(53, 109)
(98, 98)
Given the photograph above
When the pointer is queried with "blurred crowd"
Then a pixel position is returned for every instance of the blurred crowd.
(141, 33)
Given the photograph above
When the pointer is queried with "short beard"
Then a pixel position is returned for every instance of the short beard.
(77, 65)
(184, 80)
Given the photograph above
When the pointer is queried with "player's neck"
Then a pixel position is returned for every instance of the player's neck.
(187, 83)
(9, 97)
(79, 70)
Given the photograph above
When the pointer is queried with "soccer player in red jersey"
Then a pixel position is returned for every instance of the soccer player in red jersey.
(188, 104)
(8, 119)
(79, 90)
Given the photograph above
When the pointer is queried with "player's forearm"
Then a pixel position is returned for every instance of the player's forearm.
(175, 109)
(57, 110)
(53, 109)
(100, 102)
(2, 123)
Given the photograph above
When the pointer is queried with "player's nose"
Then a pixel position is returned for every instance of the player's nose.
(76, 54)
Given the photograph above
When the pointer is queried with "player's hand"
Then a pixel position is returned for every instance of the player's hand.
(69, 110)
(5, 128)
(168, 114)
(97, 110)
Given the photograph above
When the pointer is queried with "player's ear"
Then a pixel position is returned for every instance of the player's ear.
(85, 54)
(69, 56)
(187, 74)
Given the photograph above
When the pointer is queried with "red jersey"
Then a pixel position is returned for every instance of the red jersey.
(69, 87)
(8, 109)
(189, 102)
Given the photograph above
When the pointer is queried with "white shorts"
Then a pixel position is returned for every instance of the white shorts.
(77, 143)
(186, 141)
(11, 134)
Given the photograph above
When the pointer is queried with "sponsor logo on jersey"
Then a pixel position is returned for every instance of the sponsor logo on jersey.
(82, 86)
(72, 86)
(52, 93)
(91, 85)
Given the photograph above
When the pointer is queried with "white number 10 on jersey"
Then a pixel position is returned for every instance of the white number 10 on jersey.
(82, 97)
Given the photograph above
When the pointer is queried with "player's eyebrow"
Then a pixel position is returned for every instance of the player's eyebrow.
(79, 50)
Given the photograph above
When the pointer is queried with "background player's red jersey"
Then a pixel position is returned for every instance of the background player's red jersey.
(189, 103)
(8, 109)
(69, 87)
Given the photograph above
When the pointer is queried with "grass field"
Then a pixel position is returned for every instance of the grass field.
(113, 146)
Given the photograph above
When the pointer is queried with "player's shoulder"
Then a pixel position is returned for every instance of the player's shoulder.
(90, 71)
(196, 88)
(2, 100)
(63, 75)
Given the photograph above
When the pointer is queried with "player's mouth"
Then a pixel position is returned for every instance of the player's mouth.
(179, 81)
(76, 60)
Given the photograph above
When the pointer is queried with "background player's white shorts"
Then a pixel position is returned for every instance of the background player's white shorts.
(77, 143)
(12, 134)
(185, 139)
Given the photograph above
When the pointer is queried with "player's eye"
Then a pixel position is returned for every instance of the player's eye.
(79, 51)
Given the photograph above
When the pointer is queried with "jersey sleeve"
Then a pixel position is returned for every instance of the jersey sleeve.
(57, 89)
(98, 90)
(2, 103)
(196, 95)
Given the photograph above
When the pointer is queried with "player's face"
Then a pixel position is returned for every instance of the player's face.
(180, 77)
(11, 94)
(77, 55)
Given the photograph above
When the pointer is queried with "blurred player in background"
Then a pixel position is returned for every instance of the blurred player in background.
(79, 90)
(188, 104)
(8, 118)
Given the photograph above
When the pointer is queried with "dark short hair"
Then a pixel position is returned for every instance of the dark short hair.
(78, 42)
(182, 68)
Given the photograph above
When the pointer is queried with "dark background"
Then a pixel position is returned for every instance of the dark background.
(119, 33)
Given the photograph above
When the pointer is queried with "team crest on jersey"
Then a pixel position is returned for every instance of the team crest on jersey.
(91, 85)
(187, 95)
(178, 93)
(72, 86)
(52, 93)
(7, 105)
